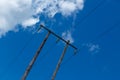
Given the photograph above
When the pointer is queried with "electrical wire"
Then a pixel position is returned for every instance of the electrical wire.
(106, 31)
(97, 38)
(100, 35)
(89, 13)
(77, 24)
(12, 62)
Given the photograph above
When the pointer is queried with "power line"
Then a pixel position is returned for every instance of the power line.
(83, 18)
(89, 13)
(93, 10)
(78, 24)
(106, 31)
(18, 55)
(97, 38)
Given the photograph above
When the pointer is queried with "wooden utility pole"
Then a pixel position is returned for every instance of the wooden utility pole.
(60, 60)
(40, 48)
(35, 57)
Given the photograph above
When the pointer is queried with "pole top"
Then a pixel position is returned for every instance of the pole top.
(68, 42)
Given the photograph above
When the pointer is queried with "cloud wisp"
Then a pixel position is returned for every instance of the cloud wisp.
(68, 36)
(92, 48)
(28, 12)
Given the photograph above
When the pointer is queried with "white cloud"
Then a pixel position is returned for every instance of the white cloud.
(68, 36)
(30, 22)
(94, 48)
(67, 7)
(13, 12)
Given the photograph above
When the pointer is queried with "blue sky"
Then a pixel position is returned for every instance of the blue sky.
(95, 34)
